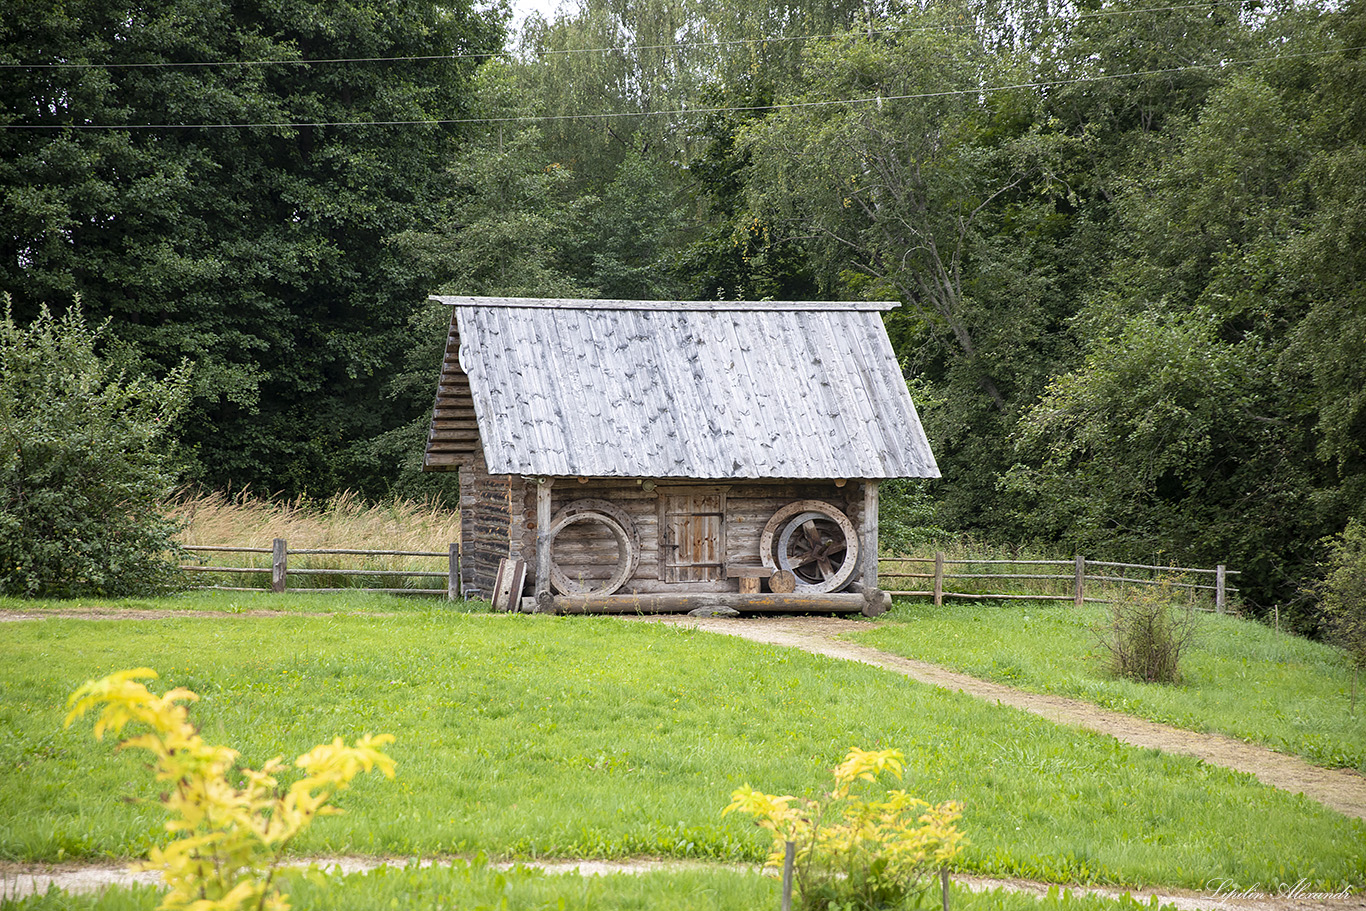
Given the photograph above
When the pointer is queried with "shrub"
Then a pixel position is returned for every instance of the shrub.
(855, 853)
(83, 464)
(1146, 632)
(229, 838)
(1342, 596)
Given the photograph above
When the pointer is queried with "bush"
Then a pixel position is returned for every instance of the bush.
(1146, 633)
(230, 826)
(83, 464)
(851, 852)
(1342, 596)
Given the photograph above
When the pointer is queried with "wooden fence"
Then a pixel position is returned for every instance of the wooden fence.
(1068, 580)
(280, 572)
(1078, 580)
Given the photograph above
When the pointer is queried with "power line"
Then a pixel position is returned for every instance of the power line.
(684, 111)
(486, 55)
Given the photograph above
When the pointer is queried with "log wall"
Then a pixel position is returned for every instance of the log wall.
(587, 552)
(453, 437)
(493, 518)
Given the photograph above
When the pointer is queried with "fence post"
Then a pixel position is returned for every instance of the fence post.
(789, 855)
(453, 573)
(278, 560)
(1219, 588)
(939, 578)
(1079, 587)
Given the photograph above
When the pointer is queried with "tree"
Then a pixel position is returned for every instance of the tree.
(898, 176)
(223, 181)
(1168, 443)
(84, 463)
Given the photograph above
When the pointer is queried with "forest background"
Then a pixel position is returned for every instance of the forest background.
(1129, 238)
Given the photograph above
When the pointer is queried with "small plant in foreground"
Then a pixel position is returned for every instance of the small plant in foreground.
(229, 839)
(855, 853)
(1146, 632)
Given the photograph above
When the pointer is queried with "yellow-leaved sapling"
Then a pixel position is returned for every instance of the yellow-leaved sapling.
(855, 849)
(229, 837)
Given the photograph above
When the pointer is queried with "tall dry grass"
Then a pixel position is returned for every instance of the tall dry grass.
(343, 522)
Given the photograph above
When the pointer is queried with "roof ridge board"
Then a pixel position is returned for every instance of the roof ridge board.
(551, 303)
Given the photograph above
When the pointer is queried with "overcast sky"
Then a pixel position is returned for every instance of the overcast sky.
(521, 8)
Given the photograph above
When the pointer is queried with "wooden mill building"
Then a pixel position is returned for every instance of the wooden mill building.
(660, 456)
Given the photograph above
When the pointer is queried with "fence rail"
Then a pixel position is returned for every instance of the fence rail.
(1081, 581)
(280, 572)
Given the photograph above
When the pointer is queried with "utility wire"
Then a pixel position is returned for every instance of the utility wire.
(427, 58)
(683, 111)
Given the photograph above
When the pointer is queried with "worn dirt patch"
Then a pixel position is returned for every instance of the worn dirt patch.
(1343, 790)
(138, 613)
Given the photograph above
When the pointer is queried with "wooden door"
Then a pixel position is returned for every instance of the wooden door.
(692, 532)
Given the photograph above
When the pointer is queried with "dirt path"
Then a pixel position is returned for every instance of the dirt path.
(19, 880)
(1342, 790)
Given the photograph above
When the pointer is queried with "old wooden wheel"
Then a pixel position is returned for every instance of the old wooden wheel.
(815, 542)
(617, 524)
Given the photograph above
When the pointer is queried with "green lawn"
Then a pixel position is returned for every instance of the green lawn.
(532, 736)
(1241, 678)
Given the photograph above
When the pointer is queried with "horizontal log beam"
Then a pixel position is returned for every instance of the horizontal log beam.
(677, 603)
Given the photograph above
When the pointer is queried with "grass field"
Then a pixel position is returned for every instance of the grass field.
(1240, 678)
(528, 736)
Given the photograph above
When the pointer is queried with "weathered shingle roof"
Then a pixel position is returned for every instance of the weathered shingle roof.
(708, 390)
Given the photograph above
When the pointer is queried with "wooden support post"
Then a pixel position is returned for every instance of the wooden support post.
(279, 556)
(460, 565)
(939, 578)
(543, 541)
(869, 535)
(789, 859)
(1219, 583)
(453, 573)
(1079, 586)
(944, 886)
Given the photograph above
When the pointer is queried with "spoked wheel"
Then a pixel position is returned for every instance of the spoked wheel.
(812, 547)
(815, 542)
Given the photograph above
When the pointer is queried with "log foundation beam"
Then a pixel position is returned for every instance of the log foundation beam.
(670, 603)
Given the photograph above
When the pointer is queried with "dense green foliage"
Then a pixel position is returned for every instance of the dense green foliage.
(1128, 238)
(206, 175)
(1344, 593)
(84, 464)
(578, 737)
